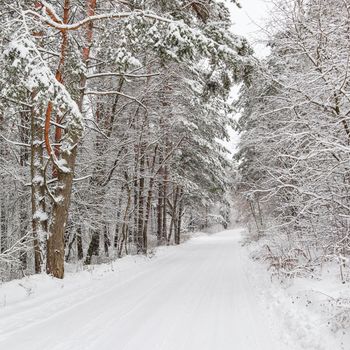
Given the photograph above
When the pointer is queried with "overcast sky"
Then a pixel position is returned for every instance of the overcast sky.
(247, 22)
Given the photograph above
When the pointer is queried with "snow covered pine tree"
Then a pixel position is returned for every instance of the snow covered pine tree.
(99, 90)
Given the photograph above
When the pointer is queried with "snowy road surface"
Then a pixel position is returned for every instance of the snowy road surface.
(193, 297)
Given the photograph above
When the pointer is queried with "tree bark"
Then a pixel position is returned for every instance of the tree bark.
(141, 247)
(160, 214)
(80, 251)
(94, 247)
(63, 192)
(39, 215)
(165, 190)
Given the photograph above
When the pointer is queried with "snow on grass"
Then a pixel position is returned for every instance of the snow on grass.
(311, 313)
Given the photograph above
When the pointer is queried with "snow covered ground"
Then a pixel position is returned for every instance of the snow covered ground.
(205, 294)
(311, 312)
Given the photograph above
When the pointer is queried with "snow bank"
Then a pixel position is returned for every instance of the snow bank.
(311, 313)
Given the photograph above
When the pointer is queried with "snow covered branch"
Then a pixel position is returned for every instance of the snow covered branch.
(87, 20)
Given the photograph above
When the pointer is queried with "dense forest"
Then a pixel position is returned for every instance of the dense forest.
(293, 173)
(111, 116)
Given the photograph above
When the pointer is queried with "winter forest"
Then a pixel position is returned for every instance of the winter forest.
(166, 185)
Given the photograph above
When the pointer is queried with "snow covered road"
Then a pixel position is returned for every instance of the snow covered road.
(194, 297)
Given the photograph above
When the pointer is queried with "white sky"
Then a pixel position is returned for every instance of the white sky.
(248, 21)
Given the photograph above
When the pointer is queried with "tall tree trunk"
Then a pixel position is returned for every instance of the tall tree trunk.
(39, 215)
(165, 195)
(106, 240)
(160, 214)
(179, 217)
(148, 212)
(23, 226)
(80, 251)
(174, 218)
(117, 224)
(170, 231)
(3, 226)
(141, 248)
(123, 242)
(63, 191)
(62, 195)
(94, 246)
(149, 198)
(25, 155)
